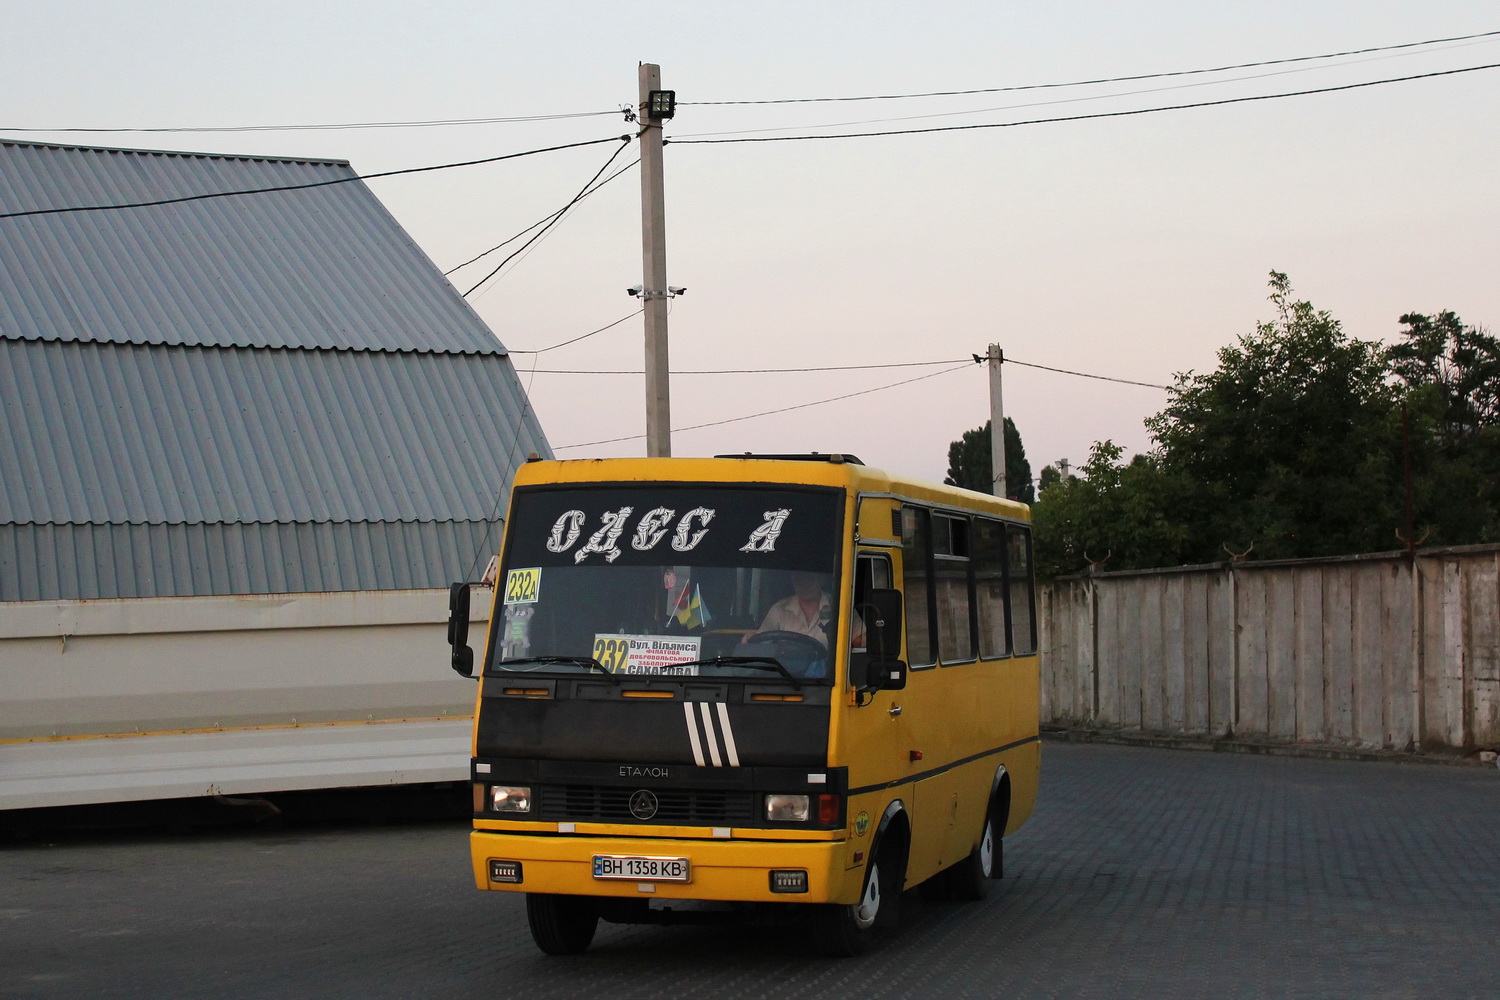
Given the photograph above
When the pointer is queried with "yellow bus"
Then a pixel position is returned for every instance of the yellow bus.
(748, 682)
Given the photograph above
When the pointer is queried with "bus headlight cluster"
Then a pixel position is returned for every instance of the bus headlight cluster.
(510, 798)
(787, 808)
(799, 809)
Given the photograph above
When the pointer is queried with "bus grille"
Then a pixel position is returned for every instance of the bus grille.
(690, 806)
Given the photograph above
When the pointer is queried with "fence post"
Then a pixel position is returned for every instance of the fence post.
(1094, 645)
(1418, 630)
(1234, 651)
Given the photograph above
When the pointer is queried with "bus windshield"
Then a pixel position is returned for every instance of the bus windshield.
(720, 582)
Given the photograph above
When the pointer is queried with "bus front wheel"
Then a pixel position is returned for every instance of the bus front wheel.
(561, 925)
(846, 929)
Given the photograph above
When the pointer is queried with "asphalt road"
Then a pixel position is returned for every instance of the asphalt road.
(1144, 873)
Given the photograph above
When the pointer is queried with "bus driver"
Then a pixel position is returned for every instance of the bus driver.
(808, 611)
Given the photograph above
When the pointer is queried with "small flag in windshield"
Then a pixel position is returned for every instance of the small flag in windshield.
(692, 612)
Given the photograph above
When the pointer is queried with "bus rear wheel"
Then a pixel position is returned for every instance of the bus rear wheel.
(970, 878)
(561, 925)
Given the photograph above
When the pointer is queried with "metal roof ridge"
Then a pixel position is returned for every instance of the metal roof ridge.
(261, 520)
(192, 154)
(501, 350)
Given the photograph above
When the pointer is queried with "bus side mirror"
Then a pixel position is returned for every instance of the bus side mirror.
(893, 674)
(885, 670)
(458, 629)
(869, 674)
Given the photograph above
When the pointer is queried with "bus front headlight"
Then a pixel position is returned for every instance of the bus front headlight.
(787, 808)
(510, 798)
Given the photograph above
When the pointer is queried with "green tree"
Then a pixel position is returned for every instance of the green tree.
(969, 463)
(1450, 373)
(1460, 363)
(1292, 443)
(1115, 513)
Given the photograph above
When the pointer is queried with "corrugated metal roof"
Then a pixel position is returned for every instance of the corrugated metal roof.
(106, 433)
(322, 267)
(261, 394)
(66, 562)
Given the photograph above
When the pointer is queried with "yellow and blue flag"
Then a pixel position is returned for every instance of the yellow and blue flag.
(693, 614)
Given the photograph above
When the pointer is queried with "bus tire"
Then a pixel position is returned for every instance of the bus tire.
(970, 878)
(842, 930)
(561, 925)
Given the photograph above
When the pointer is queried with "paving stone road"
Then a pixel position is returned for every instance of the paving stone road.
(1144, 873)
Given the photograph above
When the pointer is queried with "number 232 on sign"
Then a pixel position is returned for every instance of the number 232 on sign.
(613, 651)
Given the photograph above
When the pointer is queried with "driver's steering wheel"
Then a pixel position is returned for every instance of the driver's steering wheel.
(776, 635)
(797, 646)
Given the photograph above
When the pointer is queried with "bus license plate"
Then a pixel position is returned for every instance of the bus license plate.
(640, 869)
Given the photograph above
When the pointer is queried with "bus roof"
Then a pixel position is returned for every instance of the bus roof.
(821, 470)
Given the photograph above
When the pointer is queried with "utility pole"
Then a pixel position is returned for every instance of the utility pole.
(656, 107)
(997, 423)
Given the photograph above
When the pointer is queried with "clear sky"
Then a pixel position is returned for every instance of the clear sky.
(1133, 247)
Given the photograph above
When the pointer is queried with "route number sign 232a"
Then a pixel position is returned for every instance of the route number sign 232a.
(523, 586)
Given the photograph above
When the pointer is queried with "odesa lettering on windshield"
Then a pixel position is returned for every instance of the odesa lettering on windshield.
(652, 581)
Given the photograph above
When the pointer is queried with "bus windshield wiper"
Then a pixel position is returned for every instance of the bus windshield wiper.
(767, 663)
(577, 661)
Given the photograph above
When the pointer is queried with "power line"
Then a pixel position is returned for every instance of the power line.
(539, 222)
(978, 359)
(447, 122)
(1108, 79)
(1092, 116)
(745, 371)
(483, 254)
(765, 413)
(313, 184)
(335, 126)
(973, 359)
(585, 336)
(556, 218)
(1113, 95)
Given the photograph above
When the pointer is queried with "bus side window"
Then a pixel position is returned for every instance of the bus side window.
(872, 572)
(950, 547)
(989, 587)
(916, 556)
(1022, 620)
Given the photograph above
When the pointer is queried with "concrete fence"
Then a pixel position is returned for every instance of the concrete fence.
(1373, 652)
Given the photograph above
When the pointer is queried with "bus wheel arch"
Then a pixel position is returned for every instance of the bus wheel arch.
(999, 813)
(889, 849)
(999, 809)
(969, 878)
(844, 930)
(891, 845)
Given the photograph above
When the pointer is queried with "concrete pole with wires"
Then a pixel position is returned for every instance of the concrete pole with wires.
(996, 358)
(654, 263)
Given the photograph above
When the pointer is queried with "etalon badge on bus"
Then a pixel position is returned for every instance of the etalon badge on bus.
(643, 804)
